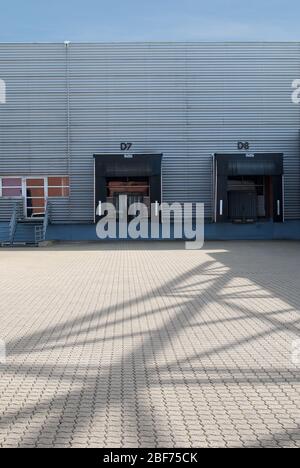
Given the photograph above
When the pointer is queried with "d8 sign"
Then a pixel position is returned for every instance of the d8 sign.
(243, 145)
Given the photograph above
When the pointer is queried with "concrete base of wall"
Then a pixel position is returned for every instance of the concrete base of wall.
(290, 230)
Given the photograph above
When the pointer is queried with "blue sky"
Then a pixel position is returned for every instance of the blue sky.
(151, 20)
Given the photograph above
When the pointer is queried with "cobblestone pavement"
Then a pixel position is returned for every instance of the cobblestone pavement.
(149, 345)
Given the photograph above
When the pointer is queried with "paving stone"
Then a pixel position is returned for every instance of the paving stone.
(150, 345)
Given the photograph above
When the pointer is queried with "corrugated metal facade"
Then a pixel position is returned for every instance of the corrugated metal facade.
(184, 100)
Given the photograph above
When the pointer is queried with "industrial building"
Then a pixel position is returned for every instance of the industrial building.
(212, 123)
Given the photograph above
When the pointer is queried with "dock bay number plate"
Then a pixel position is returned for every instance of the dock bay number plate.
(243, 145)
(126, 146)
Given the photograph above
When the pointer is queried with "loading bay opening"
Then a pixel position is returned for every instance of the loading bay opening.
(248, 188)
(139, 177)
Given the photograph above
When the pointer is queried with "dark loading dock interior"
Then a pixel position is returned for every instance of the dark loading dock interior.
(248, 188)
(137, 176)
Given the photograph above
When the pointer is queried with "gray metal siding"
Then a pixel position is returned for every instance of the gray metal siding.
(7, 206)
(33, 121)
(186, 101)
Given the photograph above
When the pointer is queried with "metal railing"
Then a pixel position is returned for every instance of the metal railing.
(13, 224)
(41, 230)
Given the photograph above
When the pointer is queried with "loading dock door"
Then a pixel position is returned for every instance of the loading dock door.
(138, 176)
(260, 175)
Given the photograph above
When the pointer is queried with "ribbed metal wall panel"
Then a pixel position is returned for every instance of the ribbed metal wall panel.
(7, 206)
(33, 121)
(185, 100)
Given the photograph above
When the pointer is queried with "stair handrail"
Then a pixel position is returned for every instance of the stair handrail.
(46, 218)
(41, 229)
(13, 224)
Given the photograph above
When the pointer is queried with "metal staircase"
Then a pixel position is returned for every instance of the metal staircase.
(25, 233)
(8, 228)
(17, 231)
